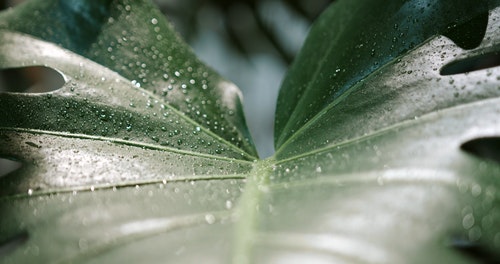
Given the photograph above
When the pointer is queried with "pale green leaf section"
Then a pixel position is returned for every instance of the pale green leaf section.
(117, 173)
(102, 225)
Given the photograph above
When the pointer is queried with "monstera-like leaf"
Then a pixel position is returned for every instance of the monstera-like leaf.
(387, 138)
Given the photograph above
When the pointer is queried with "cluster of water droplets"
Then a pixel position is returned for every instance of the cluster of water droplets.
(171, 74)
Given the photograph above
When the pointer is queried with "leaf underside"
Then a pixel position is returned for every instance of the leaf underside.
(386, 131)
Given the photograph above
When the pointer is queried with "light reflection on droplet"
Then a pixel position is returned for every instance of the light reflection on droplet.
(210, 218)
(468, 221)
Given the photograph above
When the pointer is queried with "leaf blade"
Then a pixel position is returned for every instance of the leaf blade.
(356, 48)
(190, 87)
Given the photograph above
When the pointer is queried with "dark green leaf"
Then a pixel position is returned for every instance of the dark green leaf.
(354, 39)
(133, 39)
(372, 145)
(386, 131)
(141, 140)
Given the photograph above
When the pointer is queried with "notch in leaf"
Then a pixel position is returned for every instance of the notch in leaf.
(12, 243)
(475, 251)
(33, 79)
(469, 34)
(476, 63)
(485, 148)
(8, 166)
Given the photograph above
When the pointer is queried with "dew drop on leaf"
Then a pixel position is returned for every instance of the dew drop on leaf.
(83, 244)
(468, 221)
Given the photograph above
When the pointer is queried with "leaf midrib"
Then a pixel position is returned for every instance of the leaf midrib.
(321, 64)
(128, 184)
(123, 142)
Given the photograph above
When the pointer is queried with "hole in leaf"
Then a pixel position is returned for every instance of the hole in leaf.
(476, 252)
(468, 35)
(12, 243)
(483, 61)
(486, 148)
(7, 166)
(33, 79)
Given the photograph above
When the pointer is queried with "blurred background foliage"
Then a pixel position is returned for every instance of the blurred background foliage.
(250, 42)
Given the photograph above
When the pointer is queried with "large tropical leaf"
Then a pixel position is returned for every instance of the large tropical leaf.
(148, 114)
(386, 134)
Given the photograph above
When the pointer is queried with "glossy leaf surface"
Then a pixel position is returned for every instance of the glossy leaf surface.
(137, 113)
(352, 40)
(384, 154)
(133, 39)
(391, 159)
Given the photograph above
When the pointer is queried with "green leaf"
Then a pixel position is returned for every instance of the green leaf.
(140, 124)
(371, 144)
(343, 50)
(134, 40)
(198, 114)
(386, 134)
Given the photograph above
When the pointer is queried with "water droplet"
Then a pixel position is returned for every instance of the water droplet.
(210, 218)
(468, 221)
(496, 239)
(83, 244)
(380, 180)
(136, 83)
(476, 190)
(154, 21)
(475, 233)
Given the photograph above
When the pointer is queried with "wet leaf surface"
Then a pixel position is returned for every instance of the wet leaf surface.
(386, 137)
